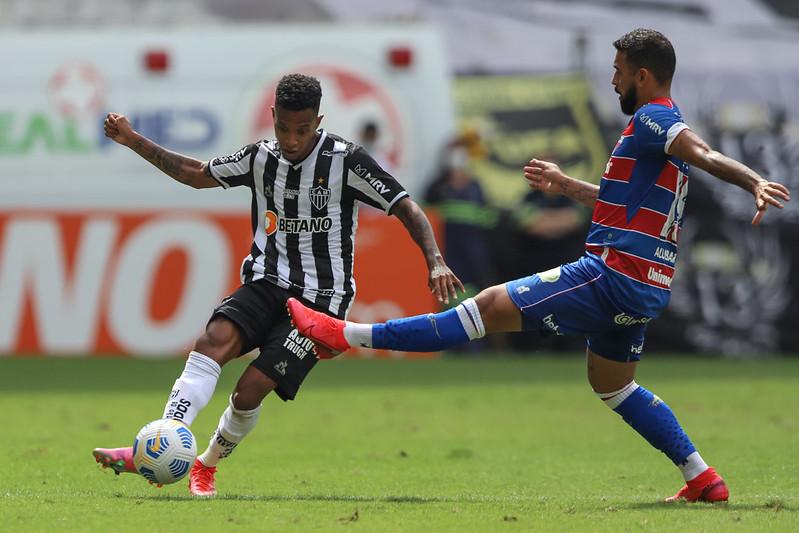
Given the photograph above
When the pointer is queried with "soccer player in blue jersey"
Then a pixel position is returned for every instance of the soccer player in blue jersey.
(611, 293)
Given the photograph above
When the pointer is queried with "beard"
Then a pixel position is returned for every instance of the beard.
(628, 101)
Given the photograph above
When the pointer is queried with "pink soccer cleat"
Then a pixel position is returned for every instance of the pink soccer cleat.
(326, 332)
(118, 459)
(201, 480)
(706, 487)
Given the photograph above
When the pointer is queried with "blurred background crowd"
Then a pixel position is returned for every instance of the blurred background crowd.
(453, 97)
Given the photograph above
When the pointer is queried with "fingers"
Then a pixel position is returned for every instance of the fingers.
(439, 290)
(780, 190)
(758, 216)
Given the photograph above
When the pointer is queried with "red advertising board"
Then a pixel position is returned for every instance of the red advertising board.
(143, 282)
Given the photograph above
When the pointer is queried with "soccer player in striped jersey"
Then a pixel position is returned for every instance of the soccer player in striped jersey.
(611, 293)
(306, 186)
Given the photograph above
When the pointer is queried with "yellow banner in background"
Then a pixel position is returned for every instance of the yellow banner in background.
(521, 117)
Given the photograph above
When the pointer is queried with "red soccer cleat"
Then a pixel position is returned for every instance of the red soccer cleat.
(118, 459)
(326, 332)
(706, 487)
(201, 480)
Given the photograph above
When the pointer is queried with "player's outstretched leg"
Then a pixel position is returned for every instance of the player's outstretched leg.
(234, 425)
(647, 414)
(118, 459)
(421, 333)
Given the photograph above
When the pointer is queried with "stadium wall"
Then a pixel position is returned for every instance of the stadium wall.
(102, 254)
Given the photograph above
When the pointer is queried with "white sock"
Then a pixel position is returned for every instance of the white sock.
(693, 466)
(234, 424)
(614, 399)
(471, 319)
(193, 389)
(358, 334)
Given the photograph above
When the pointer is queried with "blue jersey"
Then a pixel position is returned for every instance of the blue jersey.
(639, 209)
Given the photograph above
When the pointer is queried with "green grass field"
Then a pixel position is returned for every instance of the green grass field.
(496, 444)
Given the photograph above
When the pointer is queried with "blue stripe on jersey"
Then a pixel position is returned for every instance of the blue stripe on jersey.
(637, 244)
(658, 198)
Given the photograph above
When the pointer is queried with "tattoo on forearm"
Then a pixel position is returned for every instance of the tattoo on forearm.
(581, 192)
(420, 231)
(168, 162)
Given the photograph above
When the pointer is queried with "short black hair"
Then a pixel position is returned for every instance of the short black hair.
(649, 49)
(296, 92)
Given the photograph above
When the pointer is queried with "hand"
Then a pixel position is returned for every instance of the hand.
(118, 129)
(765, 193)
(543, 176)
(443, 282)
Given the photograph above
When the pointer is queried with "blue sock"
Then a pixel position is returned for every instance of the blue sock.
(653, 420)
(431, 332)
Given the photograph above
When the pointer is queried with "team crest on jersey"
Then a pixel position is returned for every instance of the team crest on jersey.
(319, 196)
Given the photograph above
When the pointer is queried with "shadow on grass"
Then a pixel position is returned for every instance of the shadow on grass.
(82, 375)
(306, 498)
(774, 506)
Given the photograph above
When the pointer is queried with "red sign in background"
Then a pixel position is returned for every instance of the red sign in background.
(143, 283)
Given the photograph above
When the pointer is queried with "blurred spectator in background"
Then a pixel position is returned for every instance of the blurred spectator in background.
(543, 230)
(369, 139)
(468, 220)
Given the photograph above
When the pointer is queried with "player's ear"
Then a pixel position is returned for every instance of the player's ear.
(319, 120)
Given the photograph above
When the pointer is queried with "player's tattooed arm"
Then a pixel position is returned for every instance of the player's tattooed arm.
(441, 280)
(547, 177)
(184, 169)
(689, 147)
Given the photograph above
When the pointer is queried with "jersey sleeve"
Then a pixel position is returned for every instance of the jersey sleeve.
(656, 127)
(235, 169)
(370, 183)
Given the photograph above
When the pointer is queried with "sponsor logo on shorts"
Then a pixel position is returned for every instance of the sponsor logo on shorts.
(521, 289)
(624, 319)
(549, 321)
(298, 345)
(637, 349)
(550, 276)
(281, 367)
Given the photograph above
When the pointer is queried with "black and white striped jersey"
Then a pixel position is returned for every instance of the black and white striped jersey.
(304, 215)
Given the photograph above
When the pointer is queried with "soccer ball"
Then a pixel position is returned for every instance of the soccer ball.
(164, 450)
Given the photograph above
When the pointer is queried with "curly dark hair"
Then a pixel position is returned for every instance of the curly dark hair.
(649, 49)
(297, 92)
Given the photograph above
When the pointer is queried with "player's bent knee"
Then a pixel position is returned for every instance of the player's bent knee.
(221, 341)
(252, 388)
(497, 310)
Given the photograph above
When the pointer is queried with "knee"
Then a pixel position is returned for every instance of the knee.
(497, 310)
(247, 400)
(221, 341)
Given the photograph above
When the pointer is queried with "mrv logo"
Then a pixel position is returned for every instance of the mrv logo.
(376, 184)
(651, 124)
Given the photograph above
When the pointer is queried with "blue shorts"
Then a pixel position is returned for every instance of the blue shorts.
(574, 299)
